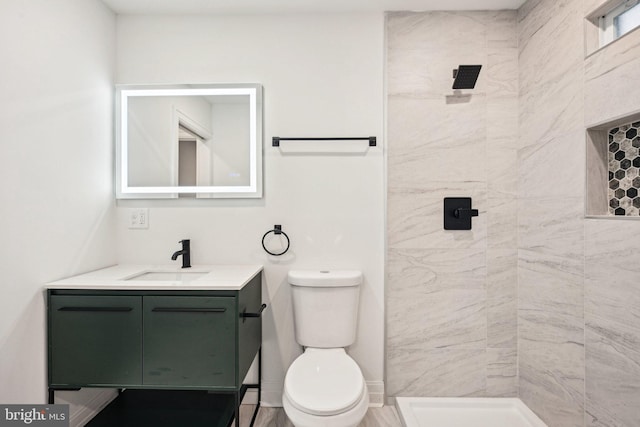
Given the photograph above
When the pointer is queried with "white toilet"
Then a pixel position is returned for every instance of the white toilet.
(324, 387)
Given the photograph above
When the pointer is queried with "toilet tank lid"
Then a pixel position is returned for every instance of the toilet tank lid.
(325, 278)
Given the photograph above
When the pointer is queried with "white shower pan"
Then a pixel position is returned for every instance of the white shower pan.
(465, 412)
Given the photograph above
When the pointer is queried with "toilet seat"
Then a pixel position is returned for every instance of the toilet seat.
(324, 382)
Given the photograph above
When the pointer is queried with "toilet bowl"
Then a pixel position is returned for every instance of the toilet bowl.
(324, 386)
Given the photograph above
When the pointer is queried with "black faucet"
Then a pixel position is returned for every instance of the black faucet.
(185, 252)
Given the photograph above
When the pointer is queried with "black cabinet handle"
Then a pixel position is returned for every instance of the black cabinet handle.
(244, 314)
(98, 309)
(188, 310)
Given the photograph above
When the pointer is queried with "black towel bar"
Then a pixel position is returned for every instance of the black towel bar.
(275, 142)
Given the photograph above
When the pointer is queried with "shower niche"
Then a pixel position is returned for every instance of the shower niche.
(613, 168)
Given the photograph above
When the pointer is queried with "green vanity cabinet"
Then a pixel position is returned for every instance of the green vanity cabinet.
(153, 339)
(189, 341)
(95, 340)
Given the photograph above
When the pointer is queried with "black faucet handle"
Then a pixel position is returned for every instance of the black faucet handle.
(185, 252)
(465, 213)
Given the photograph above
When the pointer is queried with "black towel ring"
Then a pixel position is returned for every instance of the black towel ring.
(277, 229)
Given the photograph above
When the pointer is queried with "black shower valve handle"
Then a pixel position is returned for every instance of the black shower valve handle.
(465, 213)
(458, 213)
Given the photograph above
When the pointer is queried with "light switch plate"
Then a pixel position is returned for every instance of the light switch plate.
(139, 218)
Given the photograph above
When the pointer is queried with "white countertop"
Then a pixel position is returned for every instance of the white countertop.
(132, 277)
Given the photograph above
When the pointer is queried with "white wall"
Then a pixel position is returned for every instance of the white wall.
(57, 210)
(322, 76)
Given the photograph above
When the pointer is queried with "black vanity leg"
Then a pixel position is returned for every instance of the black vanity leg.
(239, 394)
(52, 397)
(237, 408)
(255, 412)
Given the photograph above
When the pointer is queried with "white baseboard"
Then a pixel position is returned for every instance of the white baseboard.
(376, 393)
(271, 396)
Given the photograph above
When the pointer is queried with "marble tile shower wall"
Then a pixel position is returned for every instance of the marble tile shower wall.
(451, 295)
(579, 325)
(551, 161)
(611, 288)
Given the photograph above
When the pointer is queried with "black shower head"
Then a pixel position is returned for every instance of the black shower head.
(466, 76)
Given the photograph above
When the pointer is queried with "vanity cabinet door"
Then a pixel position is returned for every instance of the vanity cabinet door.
(189, 341)
(95, 340)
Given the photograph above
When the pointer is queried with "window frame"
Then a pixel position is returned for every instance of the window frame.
(607, 22)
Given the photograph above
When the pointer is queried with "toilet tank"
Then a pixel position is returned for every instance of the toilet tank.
(325, 307)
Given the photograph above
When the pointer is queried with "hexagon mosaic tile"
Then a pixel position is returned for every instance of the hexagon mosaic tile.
(624, 167)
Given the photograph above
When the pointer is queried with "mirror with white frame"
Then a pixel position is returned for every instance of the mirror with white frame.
(202, 141)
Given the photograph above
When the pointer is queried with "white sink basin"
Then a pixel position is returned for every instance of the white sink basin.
(173, 276)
